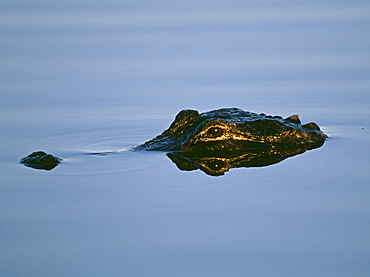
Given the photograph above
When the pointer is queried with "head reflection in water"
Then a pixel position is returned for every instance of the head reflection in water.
(216, 164)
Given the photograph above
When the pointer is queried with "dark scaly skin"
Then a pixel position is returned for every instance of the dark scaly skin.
(40, 160)
(232, 129)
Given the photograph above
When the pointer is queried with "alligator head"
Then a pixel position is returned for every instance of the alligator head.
(232, 129)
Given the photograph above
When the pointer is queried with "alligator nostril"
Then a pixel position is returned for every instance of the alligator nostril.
(215, 132)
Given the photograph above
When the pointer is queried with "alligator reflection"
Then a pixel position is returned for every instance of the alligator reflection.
(216, 164)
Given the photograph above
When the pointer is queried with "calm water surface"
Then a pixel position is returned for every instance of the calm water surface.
(84, 78)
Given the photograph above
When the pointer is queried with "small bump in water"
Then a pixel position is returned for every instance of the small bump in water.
(41, 160)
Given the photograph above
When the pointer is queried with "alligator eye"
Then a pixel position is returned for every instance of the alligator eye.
(216, 164)
(215, 132)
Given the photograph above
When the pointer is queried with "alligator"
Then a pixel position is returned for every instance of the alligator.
(217, 140)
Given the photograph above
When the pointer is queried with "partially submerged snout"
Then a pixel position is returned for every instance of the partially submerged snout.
(41, 160)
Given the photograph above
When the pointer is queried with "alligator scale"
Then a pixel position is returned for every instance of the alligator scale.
(217, 140)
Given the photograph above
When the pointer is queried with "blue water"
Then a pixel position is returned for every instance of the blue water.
(87, 77)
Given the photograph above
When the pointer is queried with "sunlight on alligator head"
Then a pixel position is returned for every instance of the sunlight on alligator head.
(232, 129)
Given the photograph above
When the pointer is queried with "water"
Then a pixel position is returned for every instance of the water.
(84, 78)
